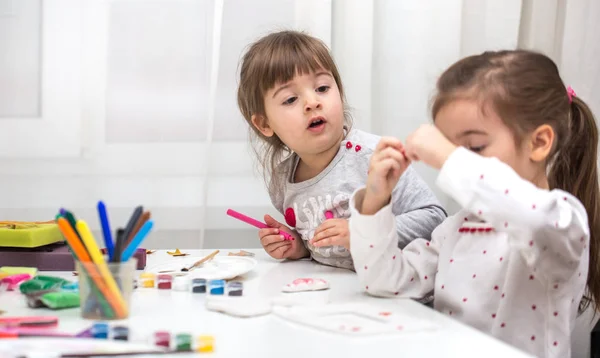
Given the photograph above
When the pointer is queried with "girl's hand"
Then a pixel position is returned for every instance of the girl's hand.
(387, 165)
(332, 232)
(275, 244)
(429, 145)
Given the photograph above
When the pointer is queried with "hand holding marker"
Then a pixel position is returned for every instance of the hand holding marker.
(256, 223)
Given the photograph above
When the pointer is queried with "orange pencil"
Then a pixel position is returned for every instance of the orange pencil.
(84, 258)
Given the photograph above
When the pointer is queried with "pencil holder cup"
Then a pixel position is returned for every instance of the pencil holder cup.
(105, 289)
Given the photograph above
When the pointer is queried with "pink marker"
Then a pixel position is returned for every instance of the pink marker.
(255, 223)
(328, 215)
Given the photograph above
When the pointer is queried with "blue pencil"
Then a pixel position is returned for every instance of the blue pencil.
(106, 230)
(137, 240)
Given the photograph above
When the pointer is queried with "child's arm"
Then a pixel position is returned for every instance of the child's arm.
(382, 268)
(551, 227)
(417, 210)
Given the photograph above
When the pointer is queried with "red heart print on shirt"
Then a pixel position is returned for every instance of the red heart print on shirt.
(290, 217)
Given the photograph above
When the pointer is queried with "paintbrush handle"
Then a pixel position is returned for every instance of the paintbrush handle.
(204, 259)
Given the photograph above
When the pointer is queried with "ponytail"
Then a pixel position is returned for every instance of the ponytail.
(575, 170)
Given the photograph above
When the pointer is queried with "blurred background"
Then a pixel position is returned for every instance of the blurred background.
(133, 101)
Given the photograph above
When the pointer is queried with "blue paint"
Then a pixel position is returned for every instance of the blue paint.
(100, 330)
(217, 287)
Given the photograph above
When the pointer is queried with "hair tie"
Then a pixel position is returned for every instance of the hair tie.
(571, 94)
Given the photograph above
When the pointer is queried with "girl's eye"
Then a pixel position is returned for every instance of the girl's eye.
(290, 100)
(477, 149)
(323, 89)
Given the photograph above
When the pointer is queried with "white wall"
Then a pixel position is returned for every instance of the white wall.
(141, 72)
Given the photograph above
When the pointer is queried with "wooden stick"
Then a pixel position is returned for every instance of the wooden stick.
(200, 262)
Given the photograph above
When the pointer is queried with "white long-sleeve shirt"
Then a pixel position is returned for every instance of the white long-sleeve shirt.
(513, 263)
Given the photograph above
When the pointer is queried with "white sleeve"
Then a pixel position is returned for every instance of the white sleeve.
(550, 227)
(382, 268)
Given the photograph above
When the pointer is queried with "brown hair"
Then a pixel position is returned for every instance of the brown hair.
(277, 58)
(525, 89)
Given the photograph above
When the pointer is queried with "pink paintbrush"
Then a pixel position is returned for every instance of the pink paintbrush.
(255, 223)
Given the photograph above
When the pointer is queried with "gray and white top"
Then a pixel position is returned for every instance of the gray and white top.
(303, 204)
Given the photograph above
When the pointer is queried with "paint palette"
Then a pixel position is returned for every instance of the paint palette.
(53, 347)
(219, 268)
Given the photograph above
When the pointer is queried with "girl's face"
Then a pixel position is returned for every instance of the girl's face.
(464, 124)
(306, 113)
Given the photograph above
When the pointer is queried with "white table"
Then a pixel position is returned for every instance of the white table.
(271, 336)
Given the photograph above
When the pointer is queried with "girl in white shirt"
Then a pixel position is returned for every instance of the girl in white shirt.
(517, 150)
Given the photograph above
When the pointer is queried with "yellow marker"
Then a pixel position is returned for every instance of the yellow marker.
(96, 255)
(205, 344)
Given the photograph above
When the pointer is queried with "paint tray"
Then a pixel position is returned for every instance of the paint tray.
(29, 235)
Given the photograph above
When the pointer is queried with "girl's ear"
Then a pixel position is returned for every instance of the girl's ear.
(262, 124)
(541, 141)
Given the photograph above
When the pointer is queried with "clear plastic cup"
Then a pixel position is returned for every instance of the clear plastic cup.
(105, 289)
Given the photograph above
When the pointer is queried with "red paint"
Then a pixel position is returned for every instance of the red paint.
(164, 282)
(162, 338)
